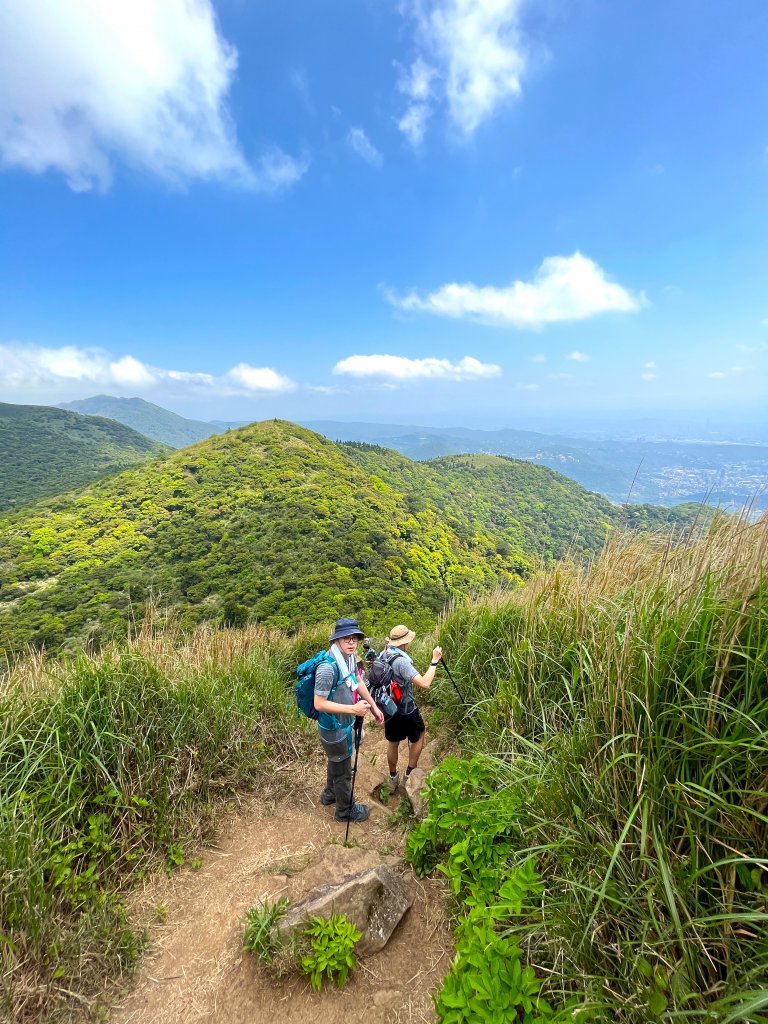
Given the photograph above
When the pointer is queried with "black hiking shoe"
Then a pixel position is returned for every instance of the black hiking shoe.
(359, 812)
(326, 798)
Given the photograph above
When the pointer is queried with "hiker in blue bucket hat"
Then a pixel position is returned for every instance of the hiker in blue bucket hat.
(342, 699)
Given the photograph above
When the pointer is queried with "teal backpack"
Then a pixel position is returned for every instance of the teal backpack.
(304, 689)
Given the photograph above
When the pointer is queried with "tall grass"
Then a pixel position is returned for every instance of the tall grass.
(627, 704)
(109, 765)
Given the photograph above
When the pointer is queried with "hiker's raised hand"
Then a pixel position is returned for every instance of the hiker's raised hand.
(359, 708)
(437, 654)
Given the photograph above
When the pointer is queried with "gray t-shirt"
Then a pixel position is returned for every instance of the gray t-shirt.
(334, 727)
(403, 670)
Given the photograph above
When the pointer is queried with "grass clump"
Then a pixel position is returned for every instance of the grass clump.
(626, 709)
(260, 937)
(114, 765)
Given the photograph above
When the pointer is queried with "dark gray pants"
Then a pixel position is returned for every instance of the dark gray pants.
(338, 781)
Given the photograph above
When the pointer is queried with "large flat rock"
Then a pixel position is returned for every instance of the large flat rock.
(374, 900)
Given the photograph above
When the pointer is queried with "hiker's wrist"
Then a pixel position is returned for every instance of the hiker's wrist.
(434, 664)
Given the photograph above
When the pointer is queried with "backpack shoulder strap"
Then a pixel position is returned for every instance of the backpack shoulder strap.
(328, 659)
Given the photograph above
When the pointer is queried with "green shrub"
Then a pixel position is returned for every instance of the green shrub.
(332, 954)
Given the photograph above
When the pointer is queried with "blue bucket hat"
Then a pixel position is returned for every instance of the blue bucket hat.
(346, 627)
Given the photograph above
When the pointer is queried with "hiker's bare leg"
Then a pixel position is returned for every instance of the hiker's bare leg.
(392, 751)
(414, 750)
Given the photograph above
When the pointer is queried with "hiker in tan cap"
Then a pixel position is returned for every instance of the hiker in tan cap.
(407, 723)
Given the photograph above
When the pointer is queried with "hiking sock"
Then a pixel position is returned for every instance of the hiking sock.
(408, 771)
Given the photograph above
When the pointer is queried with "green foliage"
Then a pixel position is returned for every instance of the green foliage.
(627, 709)
(272, 523)
(467, 835)
(488, 982)
(260, 921)
(46, 451)
(112, 766)
(332, 955)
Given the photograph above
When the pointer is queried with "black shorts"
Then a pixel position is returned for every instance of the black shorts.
(404, 727)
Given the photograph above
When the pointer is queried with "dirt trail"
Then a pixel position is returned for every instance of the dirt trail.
(196, 972)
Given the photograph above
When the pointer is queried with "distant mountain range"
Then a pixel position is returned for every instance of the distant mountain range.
(151, 420)
(662, 472)
(44, 451)
(276, 524)
(658, 471)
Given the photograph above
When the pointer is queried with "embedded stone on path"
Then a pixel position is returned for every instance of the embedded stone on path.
(374, 898)
(414, 784)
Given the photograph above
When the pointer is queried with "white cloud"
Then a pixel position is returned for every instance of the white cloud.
(86, 82)
(402, 369)
(753, 349)
(717, 375)
(563, 288)
(417, 84)
(258, 378)
(648, 376)
(276, 170)
(34, 369)
(471, 56)
(538, 358)
(131, 372)
(362, 145)
(651, 365)
(560, 376)
(579, 357)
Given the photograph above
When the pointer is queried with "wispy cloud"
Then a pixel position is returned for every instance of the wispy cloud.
(648, 376)
(538, 358)
(733, 371)
(400, 368)
(362, 145)
(579, 357)
(563, 288)
(416, 83)
(32, 368)
(471, 57)
(650, 365)
(84, 84)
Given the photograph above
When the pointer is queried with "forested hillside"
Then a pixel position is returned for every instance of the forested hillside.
(273, 523)
(491, 498)
(45, 450)
(150, 420)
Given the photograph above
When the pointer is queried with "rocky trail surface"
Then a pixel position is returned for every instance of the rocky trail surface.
(196, 972)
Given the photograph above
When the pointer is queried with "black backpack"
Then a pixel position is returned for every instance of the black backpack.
(382, 685)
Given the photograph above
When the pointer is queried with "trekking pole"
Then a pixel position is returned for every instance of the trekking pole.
(442, 662)
(358, 727)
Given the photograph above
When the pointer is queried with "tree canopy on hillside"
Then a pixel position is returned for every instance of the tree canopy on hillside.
(275, 524)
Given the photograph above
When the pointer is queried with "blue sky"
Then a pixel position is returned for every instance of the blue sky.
(495, 212)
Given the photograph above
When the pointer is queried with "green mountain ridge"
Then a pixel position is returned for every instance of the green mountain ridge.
(45, 450)
(151, 420)
(276, 524)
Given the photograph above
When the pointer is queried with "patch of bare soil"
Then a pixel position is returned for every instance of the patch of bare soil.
(196, 971)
